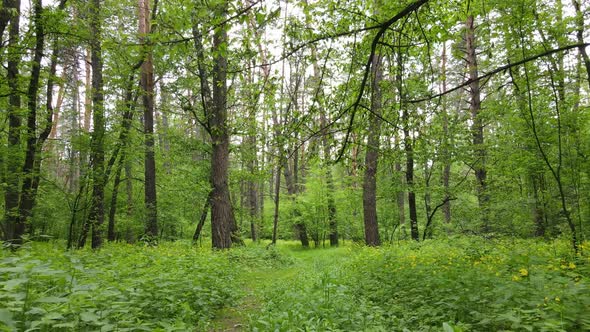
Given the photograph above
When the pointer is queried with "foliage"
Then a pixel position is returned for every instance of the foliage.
(462, 284)
(172, 287)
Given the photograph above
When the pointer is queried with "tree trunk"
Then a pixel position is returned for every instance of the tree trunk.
(11, 195)
(129, 104)
(580, 36)
(147, 87)
(88, 89)
(446, 144)
(222, 215)
(276, 201)
(96, 215)
(538, 205)
(409, 149)
(202, 219)
(28, 190)
(300, 228)
(479, 150)
(318, 96)
(401, 209)
(371, 157)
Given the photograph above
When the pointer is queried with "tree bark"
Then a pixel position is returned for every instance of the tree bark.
(202, 219)
(30, 179)
(372, 156)
(409, 150)
(11, 192)
(277, 189)
(214, 103)
(401, 209)
(446, 144)
(222, 215)
(147, 87)
(129, 104)
(479, 150)
(96, 215)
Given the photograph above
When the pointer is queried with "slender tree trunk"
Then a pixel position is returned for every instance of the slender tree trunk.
(96, 215)
(11, 191)
(446, 145)
(35, 143)
(427, 195)
(147, 86)
(164, 132)
(202, 219)
(275, 223)
(409, 149)
(129, 103)
(88, 89)
(401, 209)
(538, 208)
(479, 150)
(332, 222)
(372, 156)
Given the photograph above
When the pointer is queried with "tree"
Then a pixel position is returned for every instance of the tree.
(477, 127)
(11, 193)
(214, 103)
(96, 215)
(147, 86)
(372, 156)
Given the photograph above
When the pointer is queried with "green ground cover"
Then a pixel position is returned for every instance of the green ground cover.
(461, 284)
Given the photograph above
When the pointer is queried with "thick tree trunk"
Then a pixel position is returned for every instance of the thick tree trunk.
(96, 215)
(479, 150)
(371, 158)
(147, 86)
(222, 215)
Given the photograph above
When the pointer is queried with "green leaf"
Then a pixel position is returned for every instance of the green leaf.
(6, 318)
(53, 316)
(89, 317)
(52, 299)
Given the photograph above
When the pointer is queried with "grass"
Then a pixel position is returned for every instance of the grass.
(460, 284)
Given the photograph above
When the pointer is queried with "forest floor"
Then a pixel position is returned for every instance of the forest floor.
(457, 284)
(259, 282)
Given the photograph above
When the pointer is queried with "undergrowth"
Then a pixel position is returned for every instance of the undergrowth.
(461, 284)
(172, 287)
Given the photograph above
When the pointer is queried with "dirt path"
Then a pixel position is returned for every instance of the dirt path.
(258, 281)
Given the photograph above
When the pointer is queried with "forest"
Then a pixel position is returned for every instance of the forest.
(310, 165)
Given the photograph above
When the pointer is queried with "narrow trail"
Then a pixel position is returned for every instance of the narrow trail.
(259, 281)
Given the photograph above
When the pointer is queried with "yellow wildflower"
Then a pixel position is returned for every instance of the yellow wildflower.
(557, 299)
(572, 265)
(523, 272)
